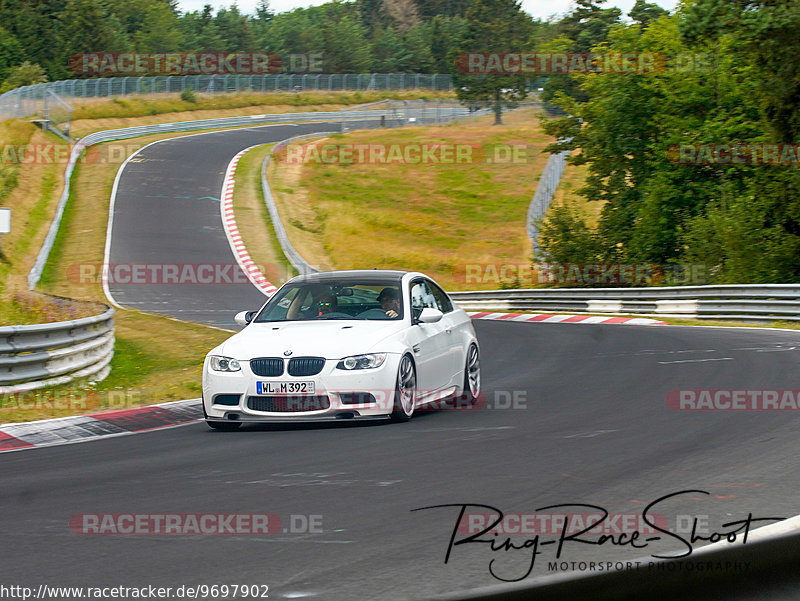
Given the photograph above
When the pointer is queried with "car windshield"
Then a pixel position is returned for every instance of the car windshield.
(317, 301)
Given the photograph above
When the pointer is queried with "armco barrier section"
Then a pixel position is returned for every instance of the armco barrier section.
(756, 302)
(49, 354)
(297, 261)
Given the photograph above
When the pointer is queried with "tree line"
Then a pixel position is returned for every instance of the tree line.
(379, 36)
(696, 162)
(362, 36)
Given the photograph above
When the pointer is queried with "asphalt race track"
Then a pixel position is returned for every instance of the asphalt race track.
(589, 424)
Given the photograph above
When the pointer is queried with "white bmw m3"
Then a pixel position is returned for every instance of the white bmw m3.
(343, 345)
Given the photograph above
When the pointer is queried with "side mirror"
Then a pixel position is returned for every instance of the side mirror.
(429, 315)
(244, 317)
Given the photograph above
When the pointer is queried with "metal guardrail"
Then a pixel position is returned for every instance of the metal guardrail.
(251, 120)
(49, 354)
(28, 100)
(545, 190)
(294, 257)
(749, 302)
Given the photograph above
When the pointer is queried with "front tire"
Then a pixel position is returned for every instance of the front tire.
(405, 395)
(472, 377)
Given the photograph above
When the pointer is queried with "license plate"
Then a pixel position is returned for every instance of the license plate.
(275, 388)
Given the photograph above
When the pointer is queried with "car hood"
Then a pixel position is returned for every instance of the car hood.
(331, 340)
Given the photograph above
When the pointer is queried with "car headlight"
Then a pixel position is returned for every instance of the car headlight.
(218, 363)
(362, 361)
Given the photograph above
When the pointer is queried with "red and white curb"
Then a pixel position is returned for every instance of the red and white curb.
(544, 318)
(81, 428)
(232, 231)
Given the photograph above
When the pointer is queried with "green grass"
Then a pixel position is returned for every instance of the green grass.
(432, 217)
(253, 220)
(9, 174)
(54, 258)
(14, 134)
(29, 308)
(38, 214)
(132, 363)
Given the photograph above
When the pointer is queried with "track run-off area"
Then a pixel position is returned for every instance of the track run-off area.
(573, 414)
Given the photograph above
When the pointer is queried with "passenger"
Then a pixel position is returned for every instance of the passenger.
(326, 303)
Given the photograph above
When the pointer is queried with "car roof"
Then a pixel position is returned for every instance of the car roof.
(365, 275)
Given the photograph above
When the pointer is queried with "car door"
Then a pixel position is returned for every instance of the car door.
(452, 334)
(430, 346)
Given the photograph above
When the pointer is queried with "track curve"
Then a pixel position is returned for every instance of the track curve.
(166, 212)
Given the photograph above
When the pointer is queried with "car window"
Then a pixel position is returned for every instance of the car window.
(322, 300)
(442, 300)
(421, 296)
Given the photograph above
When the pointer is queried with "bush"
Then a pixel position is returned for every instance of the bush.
(564, 237)
(188, 95)
(25, 75)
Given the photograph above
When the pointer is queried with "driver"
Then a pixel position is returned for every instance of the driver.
(389, 298)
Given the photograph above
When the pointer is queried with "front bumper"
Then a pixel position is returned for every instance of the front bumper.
(335, 385)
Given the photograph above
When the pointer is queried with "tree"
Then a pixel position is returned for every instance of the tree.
(199, 31)
(645, 13)
(344, 48)
(429, 9)
(389, 52)
(767, 32)
(418, 43)
(88, 26)
(439, 47)
(493, 26)
(234, 30)
(25, 75)
(34, 24)
(370, 13)
(263, 10)
(151, 25)
(588, 25)
(10, 53)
